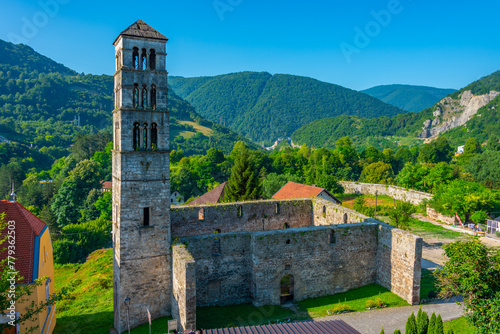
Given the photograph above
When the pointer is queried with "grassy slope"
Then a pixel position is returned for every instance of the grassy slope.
(90, 307)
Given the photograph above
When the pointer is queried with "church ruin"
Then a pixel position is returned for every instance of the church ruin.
(170, 261)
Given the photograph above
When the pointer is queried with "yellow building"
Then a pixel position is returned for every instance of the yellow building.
(33, 253)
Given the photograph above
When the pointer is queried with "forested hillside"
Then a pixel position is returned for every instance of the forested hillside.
(404, 129)
(265, 107)
(408, 97)
(44, 105)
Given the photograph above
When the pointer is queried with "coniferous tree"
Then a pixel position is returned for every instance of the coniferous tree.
(382, 331)
(243, 184)
(422, 323)
(411, 325)
(432, 324)
(397, 331)
(438, 327)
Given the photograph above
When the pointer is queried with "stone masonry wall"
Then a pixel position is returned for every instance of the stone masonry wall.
(322, 260)
(399, 262)
(255, 216)
(183, 287)
(413, 196)
(223, 268)
(328, 213)
(433, 214)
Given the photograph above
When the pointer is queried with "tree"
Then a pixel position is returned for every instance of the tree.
(378, 172)
(479, 217)
(81, 180)
(471, 148)
(23, 291)
(382, 331)
(432, 324)
(274, 182)
(461, 196)
(422, 322)
(243, 184)
(439, 174)
(401, 214)
(438, 328)
(411, 325)
(11, 173)
(484, 168)
(472, 270)
(397, 331)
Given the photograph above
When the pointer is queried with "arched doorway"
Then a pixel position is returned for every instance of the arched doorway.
(286, 289)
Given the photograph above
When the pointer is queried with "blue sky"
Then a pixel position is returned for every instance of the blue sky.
(356, 44)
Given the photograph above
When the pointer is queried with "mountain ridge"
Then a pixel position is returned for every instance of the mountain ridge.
(406, 128)
(265, 107)
(411, 98)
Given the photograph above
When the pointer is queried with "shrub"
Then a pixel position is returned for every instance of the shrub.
(90, 236)
(67, 251)
(340, 308)
(377, 303)
(497, 233)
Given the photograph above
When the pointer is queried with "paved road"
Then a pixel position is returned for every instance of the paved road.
(371, 322)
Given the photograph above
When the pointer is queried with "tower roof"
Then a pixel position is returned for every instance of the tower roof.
(142, 29)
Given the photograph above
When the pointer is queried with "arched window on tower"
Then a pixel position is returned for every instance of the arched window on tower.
(135, 97)
(144, 57)
(144, 96)
(135, 58)
(145, 137)
(136, 136)
(153, 97)
(154, 136)
(152, 59)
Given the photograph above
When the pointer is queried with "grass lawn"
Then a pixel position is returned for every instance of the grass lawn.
(355, 299)
(89, 308)
(158, 326)
(200, 128)
(459, 326)
(427, 283)
(248, 315)
(424, 229)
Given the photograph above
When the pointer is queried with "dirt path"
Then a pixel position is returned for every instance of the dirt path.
(433, 247)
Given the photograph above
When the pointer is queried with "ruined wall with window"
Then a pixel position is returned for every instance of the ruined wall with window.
(240, 217)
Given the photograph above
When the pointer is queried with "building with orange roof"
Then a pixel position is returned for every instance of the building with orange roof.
(297, 190)
(33, 254)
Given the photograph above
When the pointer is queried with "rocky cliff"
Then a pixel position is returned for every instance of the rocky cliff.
(450, 113)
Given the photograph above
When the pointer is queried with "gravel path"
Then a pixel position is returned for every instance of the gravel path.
(371, 322)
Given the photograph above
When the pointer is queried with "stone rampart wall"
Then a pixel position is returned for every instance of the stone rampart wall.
(399, 262)
(433, 214)
(413, 196)
(183, 287)
(240, 217)
(328, 213)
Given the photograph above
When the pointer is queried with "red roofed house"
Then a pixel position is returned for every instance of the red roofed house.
(215, 195)
(33, 254)
(297, 190)
(106, 185)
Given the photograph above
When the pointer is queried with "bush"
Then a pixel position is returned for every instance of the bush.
(340, 308)
(377, 303)
(497, 233)
(90, 236)
(67, 251)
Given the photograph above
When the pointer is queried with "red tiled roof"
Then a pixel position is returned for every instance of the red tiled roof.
(27, 228)
(297, 190)
(107, 184)
(310, 327)
(215, 195)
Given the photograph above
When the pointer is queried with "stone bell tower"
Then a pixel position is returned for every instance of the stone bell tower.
(141, 178)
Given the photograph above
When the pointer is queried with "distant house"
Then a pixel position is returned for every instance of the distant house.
(296, 190)
(106, 186)
(460, 150)
(215, 195)
(33, 253)
(176, 198)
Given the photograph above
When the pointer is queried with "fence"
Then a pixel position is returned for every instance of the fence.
(493, 226)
